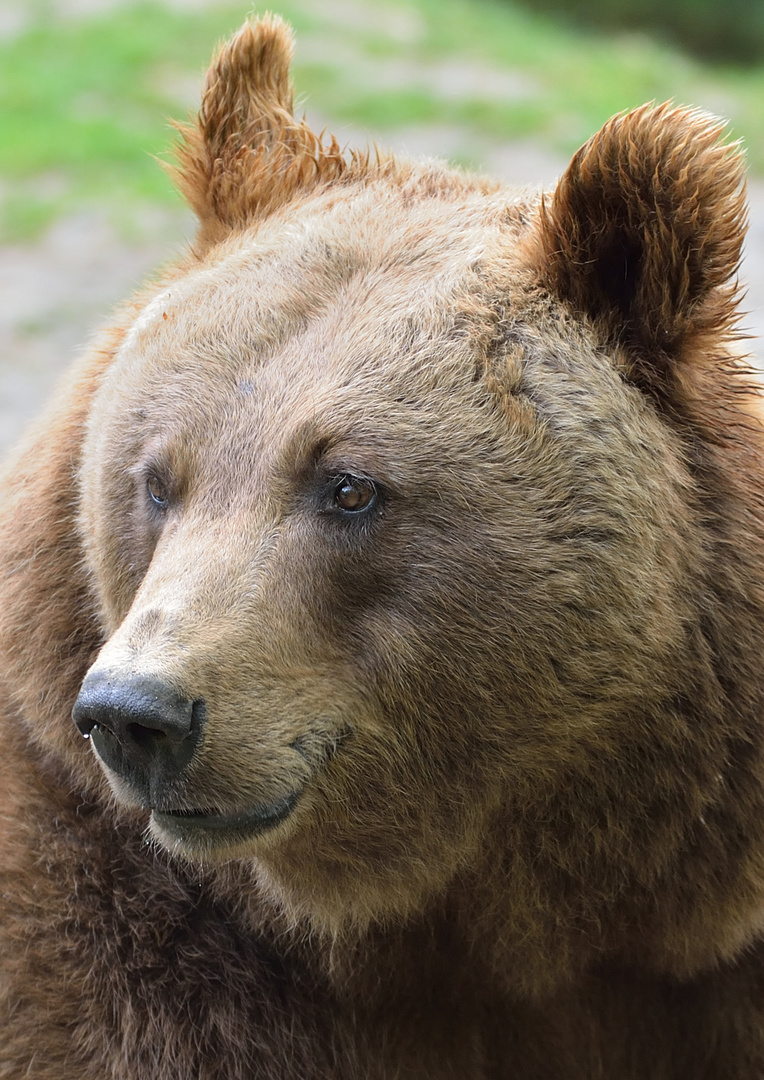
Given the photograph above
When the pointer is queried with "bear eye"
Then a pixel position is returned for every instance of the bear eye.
(353, 493)
(157, 492)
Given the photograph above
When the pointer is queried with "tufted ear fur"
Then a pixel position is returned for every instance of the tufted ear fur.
(644, 233)
(246, 154)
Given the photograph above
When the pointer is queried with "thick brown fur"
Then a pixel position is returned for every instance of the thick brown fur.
(513, 705)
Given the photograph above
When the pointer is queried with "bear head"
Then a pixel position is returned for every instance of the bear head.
(401, 533)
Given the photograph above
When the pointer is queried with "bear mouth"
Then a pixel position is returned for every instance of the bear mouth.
(208, 827)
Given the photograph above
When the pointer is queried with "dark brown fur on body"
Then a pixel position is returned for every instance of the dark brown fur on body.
(505, 717)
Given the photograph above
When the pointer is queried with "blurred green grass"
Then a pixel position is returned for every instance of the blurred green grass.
(85, 101)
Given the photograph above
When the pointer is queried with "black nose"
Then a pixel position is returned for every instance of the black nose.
(141, 728)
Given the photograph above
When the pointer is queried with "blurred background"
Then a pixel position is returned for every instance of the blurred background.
(511, 87)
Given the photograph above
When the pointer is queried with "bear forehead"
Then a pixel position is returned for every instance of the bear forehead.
(358, 281)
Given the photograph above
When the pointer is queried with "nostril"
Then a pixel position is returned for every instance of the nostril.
(144, 737)
(84, 722)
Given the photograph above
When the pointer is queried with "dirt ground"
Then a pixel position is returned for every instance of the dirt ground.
(55, 291)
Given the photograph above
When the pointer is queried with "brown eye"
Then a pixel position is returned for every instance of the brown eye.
(157, 492)
(353, 494)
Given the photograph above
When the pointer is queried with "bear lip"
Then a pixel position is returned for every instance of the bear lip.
(190, 824)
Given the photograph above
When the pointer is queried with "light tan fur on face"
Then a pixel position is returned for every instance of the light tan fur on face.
(518, 702)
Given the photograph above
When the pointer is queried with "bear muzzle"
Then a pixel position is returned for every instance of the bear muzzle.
(141, 729)
(148, 736)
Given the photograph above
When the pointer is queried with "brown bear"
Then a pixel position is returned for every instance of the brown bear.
(399, 555)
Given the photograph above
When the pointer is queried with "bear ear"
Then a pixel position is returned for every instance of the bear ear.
(246, 154)
(644, 231)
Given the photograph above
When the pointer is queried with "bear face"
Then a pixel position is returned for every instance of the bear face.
(310, 514)
(404, 550)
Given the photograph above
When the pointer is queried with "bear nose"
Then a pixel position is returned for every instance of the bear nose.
(141, 728)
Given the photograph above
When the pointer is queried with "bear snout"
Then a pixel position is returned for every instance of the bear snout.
(141, 729)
